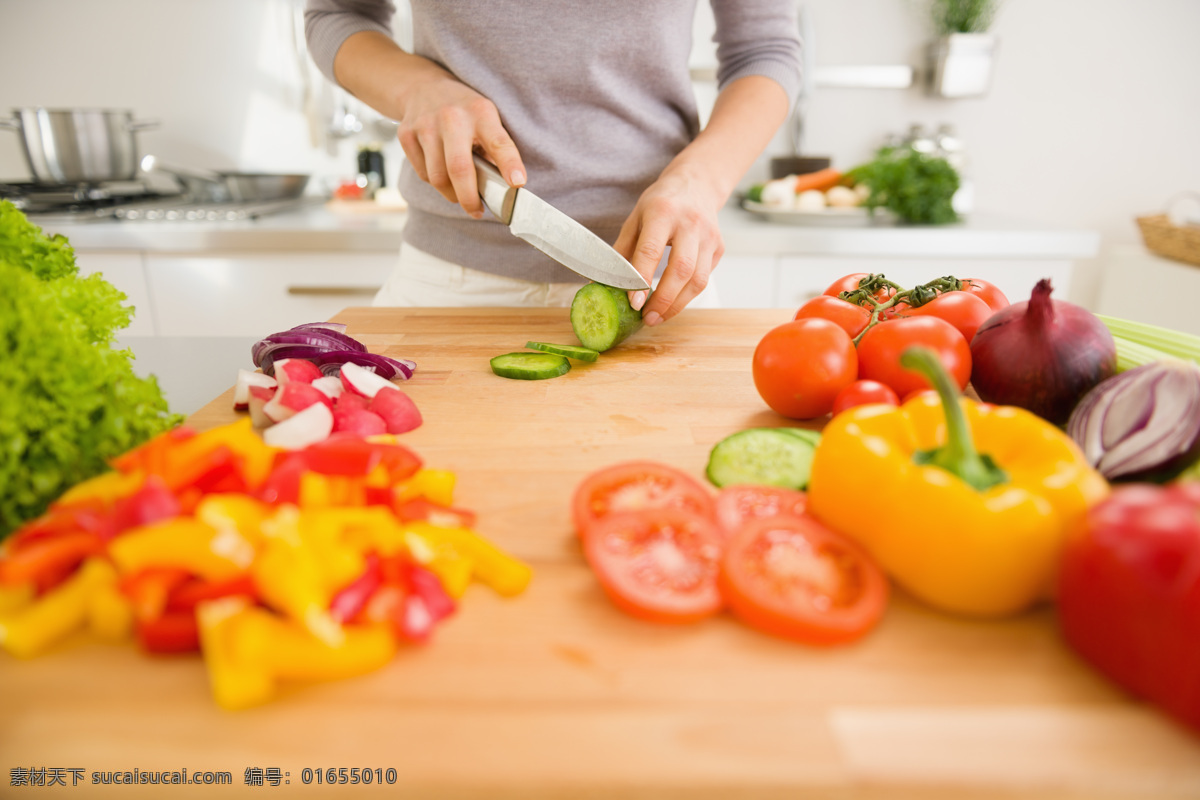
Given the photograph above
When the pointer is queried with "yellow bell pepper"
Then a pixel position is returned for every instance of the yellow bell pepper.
(248, 650)
(434, 484)
(965, 505)
(106, 488)
(183, 542)
(30, 629)
(14, 598)
(489, 564)
(110, 613)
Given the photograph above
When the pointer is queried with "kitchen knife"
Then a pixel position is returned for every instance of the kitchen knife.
(542, 225)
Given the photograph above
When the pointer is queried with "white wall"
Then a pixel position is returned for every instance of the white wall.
(1093, 118)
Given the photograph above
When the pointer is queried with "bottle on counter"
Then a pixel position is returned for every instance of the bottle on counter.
(370, 169)
(950, 147)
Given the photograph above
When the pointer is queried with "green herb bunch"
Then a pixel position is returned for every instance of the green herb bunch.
(68, 401)
(916, 187)
(962, 16)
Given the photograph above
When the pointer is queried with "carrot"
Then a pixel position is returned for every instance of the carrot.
(820, 180)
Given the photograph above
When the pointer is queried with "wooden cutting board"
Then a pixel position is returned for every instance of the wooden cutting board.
(556, 693)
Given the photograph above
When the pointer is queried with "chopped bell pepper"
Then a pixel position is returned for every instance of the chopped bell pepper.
(183, 542)
(30, 629)
(966, 505)
(434, 484)
(110, 613)
(489, 564)
(171, 632)
(13, 598)
(47, 561)
(105, 488)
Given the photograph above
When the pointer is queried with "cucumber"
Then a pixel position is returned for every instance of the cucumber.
(530, 366)
(763, 457)
(568, 350)
(602, 317)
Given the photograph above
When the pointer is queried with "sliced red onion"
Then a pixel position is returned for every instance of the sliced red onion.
(327, 345)
(1143, 424)
(340, 327)
(330, 363)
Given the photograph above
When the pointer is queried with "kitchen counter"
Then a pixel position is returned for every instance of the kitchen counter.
(318, 228)
(556, 693)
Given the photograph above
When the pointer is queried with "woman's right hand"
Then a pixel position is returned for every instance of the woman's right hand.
(444, 121)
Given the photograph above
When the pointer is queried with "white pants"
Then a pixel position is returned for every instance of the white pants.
(422, 280)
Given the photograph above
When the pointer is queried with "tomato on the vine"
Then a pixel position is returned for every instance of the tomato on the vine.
(986, 292)
(793, 577)
(658, 564)
(880, 348)
(800, 366)
(852, 319)
(861, 393)
(636, 486)
(849, 283)
(964, 310)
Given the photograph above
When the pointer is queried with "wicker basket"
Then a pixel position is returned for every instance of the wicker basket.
(1181, 243)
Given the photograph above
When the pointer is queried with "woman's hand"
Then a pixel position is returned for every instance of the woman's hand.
(443, 122)
(680, 210)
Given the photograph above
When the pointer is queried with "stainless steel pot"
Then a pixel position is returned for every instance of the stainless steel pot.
(78, 145)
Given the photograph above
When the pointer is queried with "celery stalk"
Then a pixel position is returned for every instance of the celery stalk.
(1167, 342)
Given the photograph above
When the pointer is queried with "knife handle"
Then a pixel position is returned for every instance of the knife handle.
(497, 195)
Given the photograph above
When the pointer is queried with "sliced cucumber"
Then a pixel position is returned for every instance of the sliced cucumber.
(602, 317)
(763, 457)
(804, 433)
(530, 366)
(568, 350)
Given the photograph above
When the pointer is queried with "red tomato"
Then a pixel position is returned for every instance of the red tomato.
(964, 310)
(800, 366)
(737, 505)
(861, 393)
(658, 564)
(880, 348)
(850, 282)
(793, 577)
(1129, 593)
(636, 486)
(986, 292)
(850, 317)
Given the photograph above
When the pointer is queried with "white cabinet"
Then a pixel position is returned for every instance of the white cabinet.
(126, 271)
(746, 281)
(253, 294)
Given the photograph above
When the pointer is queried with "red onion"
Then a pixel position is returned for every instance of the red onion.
(1042, 355)
(1143, 424)
(327, 345)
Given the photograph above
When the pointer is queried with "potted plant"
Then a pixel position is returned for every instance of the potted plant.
(960, 59)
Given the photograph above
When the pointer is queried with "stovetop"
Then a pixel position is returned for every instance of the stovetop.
(129, 200)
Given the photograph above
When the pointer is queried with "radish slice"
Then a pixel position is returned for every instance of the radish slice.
(241, 389)
(312, 425)
(397, 409)
(329, 385)
(259, 397)
(362, 381)
(293, 398)
(358, 421)
(296, 370)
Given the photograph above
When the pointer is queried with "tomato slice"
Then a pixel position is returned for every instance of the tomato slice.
(634, 486)
(658, 564)
(793, 577)
(737, 505)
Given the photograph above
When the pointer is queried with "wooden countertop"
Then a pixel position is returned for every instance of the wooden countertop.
(556, 693)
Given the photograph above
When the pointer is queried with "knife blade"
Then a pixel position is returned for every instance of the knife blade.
(533, 220)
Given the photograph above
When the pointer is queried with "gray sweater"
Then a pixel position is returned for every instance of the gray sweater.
(596, 95)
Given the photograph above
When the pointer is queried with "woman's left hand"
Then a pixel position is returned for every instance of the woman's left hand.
(679, 210)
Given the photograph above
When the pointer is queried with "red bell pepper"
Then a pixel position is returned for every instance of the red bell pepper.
(151, 503)
(189, 594)
(1129, 594)
(422, 509)
(172, 632)
(47, 561)
(353, 597)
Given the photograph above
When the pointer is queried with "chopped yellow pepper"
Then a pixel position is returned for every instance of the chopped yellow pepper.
(489, 564)
(183, 542)
(106, 487)
(31, 629)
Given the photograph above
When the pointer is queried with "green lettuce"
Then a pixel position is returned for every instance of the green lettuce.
(69, 401)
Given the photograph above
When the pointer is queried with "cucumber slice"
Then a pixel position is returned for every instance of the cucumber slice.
(763, 457)
(602, 317)
(807, 434)
(530, 366)
(568, 350)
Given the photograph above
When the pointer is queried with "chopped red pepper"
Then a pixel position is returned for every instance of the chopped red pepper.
(151, 503)
(422, 509)
(46, 561)
(195, 590)
(352, 598)
(150, 589)
(173, 632)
